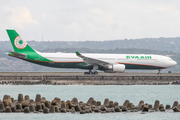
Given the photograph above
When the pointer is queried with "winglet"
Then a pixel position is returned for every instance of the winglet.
(77, 53)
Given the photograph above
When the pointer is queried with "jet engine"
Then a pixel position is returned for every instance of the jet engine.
(116, 68)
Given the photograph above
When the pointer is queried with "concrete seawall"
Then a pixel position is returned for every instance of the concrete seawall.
(79, 78)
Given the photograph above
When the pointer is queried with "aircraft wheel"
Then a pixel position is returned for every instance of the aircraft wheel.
(95, 72)
(85, 73)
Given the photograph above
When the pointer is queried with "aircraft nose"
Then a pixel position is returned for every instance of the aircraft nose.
(174, 63)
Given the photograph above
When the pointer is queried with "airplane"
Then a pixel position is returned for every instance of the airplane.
(110, 63)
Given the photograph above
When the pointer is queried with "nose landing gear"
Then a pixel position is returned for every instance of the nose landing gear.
(159, 72)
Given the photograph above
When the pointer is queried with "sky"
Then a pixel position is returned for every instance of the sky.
(96, 20)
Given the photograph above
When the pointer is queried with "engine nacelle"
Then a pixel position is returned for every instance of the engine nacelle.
(116, 68)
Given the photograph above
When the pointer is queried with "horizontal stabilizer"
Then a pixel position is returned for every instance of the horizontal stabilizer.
(18, 54)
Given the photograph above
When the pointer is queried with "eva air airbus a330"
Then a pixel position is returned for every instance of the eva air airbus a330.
(92, 62)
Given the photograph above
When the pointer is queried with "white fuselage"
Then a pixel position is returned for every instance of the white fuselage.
(132, 59)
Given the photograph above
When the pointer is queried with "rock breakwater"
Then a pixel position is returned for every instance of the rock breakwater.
(42, 105)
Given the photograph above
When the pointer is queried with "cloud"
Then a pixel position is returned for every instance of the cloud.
(97, 11)
(91, 19)
(20, 16)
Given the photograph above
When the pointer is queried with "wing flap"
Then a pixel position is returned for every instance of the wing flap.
(93, 61)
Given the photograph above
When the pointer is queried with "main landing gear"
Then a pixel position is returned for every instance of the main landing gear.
(95, 67)
(159, 72)
(91, 73)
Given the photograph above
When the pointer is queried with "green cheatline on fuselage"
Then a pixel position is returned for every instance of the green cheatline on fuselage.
(138, 57)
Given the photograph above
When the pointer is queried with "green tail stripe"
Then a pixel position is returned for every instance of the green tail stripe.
(21, 46)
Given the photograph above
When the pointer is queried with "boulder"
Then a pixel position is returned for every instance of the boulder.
(18, 111)
(93, 107)
(63, 104)
(73, 110)
(126, 103)
(57, 109)
(22, 110)
(69, 104)
(13, 108)
(97, 110)
(141, 103)
(98, 103)
(103, 112)
(175, 104)
(31, 100)
(24, 104)
(74, 100)
(42, 105)
(52, 109)
(32, 108)
(77, 108)
(103, 108)
(94, 103)
(43, 100)
(47, 104)
(117, 109)
(90, 101)
(168, 107)
(8, 109)
(161, 106)
(53, 102)
(106, 102)
(38, 98)
(68, 110)
(84, 107)
(18, 106)
(7, 100)
(116, 104)
(130, 106)
(150, 106)
(82, 112)
(81, 102)
(38, 107)
(162, 109)
(1, 106)
(145, 108)
(111, 110)
(12, 99)
(111, 104)
(26, 110)
(63, 110)
(26, 98)
(124, 109)
(176, 109)
(20, 98)
(87, 111)
(58, 101)
(90, 111)
(156, 105)
(45, 110)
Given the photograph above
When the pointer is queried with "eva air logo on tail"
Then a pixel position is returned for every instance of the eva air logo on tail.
(19, 42)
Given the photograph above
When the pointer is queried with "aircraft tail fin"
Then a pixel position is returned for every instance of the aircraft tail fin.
(18, 43)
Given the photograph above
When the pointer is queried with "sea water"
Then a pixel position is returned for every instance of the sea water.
(166, 94)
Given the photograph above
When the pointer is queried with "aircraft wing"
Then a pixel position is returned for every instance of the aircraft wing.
(93, 61)
(18, 54)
